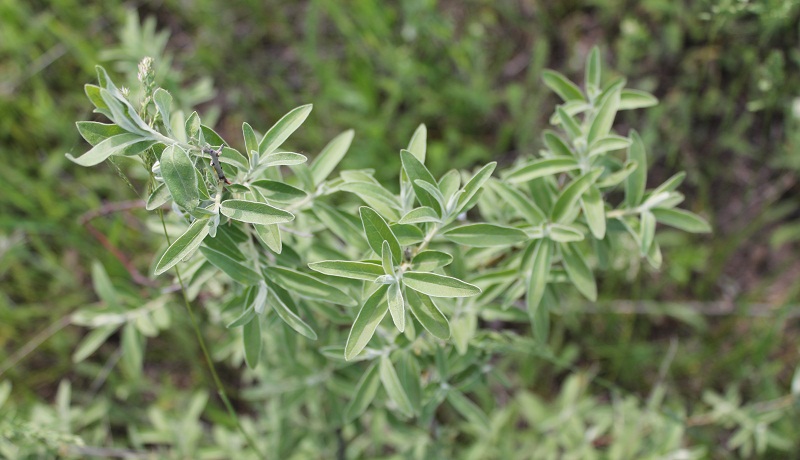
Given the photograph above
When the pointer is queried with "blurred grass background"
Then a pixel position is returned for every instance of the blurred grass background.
(727, 74)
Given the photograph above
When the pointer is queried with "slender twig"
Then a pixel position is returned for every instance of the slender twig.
(34, 343)
(214, 375)
(105, 210)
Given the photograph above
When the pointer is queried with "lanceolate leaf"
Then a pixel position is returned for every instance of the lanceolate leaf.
(346, 269)
(251, 337)
(635, 99)
(158, 197)
(541, 168)
(391, 383)
(562, 86)
(397, 306)
(683, 220)
(439, 285)
(420, 215)
(521, 203)
(468, 409)
(306, 285)
(233, 268)
(537, 280)
(601, 125)
(428, 314)
(474, 185)
(281, 305)
(377, 231)
(594, 210)
(179, 175)
(183, 246)
(578, 271)
(636, 181)
(430, 260)
(568, 198)
(279, 191)
(250, 141)
(254, 212)
(485, 235)
(417, 145)
(417, 171)
(283, 129)
(365, 392)
(330, 156)
(368, 318)
(95, 132)
(115, 144)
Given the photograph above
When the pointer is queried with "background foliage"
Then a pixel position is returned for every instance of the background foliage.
(708, 358)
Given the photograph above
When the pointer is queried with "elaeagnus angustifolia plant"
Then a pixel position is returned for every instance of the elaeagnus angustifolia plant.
(304, 265)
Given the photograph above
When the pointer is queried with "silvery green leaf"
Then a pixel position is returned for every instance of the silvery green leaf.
(578, 271)
(541, 168)
(254, 212)
(436, 285)
(367, 320)
(540, 255)
(485, 235)
(561, 85)
(594, 211)
(178, 172)
(347, 269)
(283, 129)
(604, 118)
(428, 314)
(430, 260)
(415, 171)
(231, 267)
(525, 206)
(251, 338)
(284, 307)
(417, 145)
(635, 99)
(183, 246)
(393, 387)
(365, 392)
(420, 215)
(682, 220)
(473, 186)
(397, 306)
(158, 197)
(636, 181)
(114, 145)
(308, 286)
(377, 231)
(569, 196)
(330, 156)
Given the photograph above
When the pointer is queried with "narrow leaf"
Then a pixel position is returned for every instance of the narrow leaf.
(430, 260)
(578, 271)
(561, 85)
(377, 231)
(571, 194)
(541, 168)
(391, 383)
(251, 338)
(415, 171)
(289, 316)
(525, 206)
(231, 267)
(178, 172)
(113, 145)
(635, 99)
(417, 145)
(183, 246)
(307, 286)
(428, 314)
(636, 181)
(284, 128)
(485, 235)
(420, 215)
(365, 392)
(439, 285)
(346, 269)
(473, 186)
(330, 156)
(595, 212)
(683, 220)
(254, 212)
(537, 282)
(397, 306)
(367, 320)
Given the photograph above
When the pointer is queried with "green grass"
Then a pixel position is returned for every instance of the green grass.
(471, 72)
